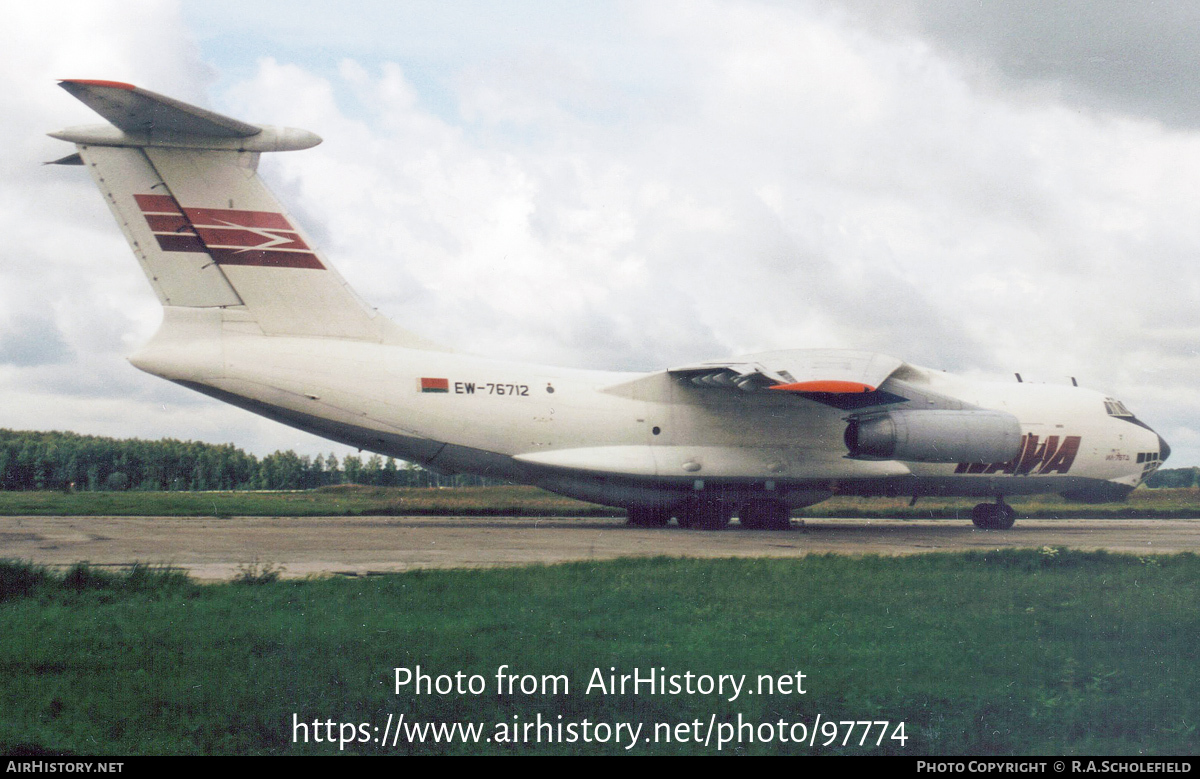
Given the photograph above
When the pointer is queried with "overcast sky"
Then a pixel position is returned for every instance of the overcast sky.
(984, 187)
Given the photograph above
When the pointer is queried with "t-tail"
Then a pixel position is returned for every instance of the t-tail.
(218, 248)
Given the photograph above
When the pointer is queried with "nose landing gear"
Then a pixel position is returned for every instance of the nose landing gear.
(993, 516)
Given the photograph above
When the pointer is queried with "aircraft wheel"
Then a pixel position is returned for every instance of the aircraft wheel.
(750, 516)
(648, 516)
(765, 515)
(779, 516)
(993, 516)
(982, 516)
(749, 519)
(1004, 516)
(706, 515)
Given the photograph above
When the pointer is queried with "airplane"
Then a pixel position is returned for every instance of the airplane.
(254, 315)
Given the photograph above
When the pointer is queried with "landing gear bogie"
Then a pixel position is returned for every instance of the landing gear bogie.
(765, 515)
(648, 516)
(704, 514)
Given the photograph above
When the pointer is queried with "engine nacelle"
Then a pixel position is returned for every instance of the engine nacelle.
(935, 436)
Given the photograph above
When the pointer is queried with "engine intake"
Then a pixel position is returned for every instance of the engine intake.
(935, 436)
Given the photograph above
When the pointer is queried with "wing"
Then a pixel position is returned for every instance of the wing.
(841, 378)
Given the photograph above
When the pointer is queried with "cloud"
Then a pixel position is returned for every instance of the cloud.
(1107, 54)
(31, 340)
(73, 301)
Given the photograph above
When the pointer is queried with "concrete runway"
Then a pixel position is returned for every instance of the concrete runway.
(214, 549)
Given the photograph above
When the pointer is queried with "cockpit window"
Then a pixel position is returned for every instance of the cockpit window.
(1116, 408)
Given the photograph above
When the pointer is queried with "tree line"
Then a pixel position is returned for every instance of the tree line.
(1174, 477)
(31, 460)
(69, 461)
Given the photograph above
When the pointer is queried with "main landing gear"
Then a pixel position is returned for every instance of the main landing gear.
(698, 513)
(765, 515)
(649, 516)
(701, 513)
(993, 516)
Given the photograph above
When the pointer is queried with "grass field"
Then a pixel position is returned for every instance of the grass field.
(349, 500)
(1017, 652)
(529, 501)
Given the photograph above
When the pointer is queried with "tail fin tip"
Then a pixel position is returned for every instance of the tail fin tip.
(95, 82)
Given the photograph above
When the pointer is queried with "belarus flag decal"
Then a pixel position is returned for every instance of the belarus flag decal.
(435, 385)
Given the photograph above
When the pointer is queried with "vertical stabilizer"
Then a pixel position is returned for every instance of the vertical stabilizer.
(157, 235)
(183, 184)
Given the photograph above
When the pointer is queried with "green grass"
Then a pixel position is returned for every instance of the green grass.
(1011, 652)
(354, 500)
(1181, 503)
(350, 500)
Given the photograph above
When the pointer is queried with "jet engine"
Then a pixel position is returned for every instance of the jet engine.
(935, 436)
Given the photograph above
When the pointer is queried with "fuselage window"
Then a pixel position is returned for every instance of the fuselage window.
(1116, 408)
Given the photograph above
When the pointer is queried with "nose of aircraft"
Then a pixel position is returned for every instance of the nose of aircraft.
(1164, 451)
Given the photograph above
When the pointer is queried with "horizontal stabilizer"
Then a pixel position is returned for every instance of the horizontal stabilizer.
(137, 110)
(70, 159)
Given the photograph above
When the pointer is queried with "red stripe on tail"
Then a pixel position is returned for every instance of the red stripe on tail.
(159, 204)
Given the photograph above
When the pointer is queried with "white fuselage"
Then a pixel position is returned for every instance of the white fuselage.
(629, 438)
